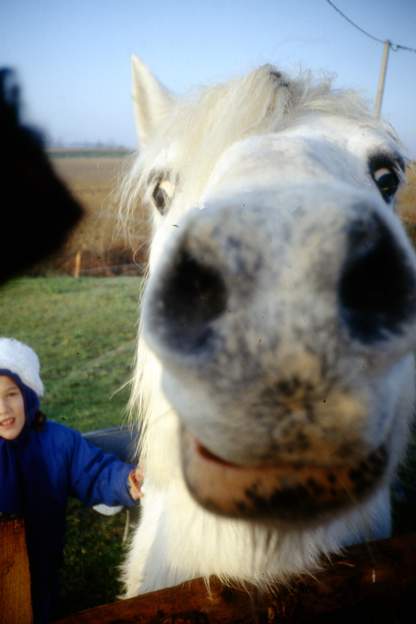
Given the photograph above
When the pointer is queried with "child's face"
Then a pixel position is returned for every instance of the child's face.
(12, 409)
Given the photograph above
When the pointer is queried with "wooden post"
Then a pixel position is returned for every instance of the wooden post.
(15, 599)
(77, 266)
(382, 79)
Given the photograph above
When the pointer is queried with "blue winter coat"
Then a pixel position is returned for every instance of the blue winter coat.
(38, 472)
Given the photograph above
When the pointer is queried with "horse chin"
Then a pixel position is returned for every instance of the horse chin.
(287, 494)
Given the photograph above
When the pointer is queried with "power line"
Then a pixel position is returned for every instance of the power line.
(353, 23)
(394, 46)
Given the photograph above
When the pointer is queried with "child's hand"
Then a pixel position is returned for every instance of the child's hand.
(135, 482)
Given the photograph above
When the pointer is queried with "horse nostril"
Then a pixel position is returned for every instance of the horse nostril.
(192, 296)
(377, 287)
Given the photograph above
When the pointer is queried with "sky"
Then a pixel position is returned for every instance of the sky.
(73, 56)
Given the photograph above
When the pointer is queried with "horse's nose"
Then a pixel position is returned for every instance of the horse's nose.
(377, 287)
(212, 271)
(192, 295)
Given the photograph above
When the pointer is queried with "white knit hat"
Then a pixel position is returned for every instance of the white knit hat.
(21, 360)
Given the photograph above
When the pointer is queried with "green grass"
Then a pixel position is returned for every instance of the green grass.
(93, 553)
(84, 333)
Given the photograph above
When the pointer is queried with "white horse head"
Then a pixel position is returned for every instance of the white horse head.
(274, 366)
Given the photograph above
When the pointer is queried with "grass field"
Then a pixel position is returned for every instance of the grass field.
(407, 197)
(93, 181)
(84, 332)
(93, 178)
(86, 152)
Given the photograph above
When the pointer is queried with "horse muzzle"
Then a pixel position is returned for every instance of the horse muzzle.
(289, 493)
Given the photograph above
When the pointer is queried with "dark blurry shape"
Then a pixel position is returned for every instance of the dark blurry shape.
(37, 210)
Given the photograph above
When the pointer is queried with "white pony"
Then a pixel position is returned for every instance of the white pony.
(274, 367)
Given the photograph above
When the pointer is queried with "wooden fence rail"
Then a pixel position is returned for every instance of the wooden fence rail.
(369, 583)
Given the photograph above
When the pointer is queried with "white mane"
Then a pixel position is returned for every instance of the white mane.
(208, 150)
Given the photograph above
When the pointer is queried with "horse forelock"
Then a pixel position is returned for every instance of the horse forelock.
(200, 127)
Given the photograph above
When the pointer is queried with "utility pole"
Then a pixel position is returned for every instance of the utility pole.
(382, 79)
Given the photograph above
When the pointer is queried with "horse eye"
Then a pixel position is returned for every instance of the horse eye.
(387, 181)
(162, 195)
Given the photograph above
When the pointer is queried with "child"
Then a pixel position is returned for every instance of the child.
(41, 464)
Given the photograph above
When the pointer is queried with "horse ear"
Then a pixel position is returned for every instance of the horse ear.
(151, 100)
